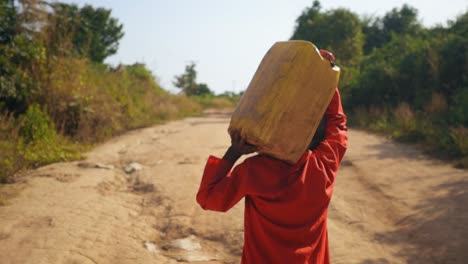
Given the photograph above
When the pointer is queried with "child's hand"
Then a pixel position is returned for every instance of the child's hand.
(238, 148)
(329, 56)
(239, 145)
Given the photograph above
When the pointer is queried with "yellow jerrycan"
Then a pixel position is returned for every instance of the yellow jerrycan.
(285, 100)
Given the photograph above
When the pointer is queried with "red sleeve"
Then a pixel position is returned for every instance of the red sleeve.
(333, 148)
(220, 190)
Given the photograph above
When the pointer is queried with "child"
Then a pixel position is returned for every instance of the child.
(285, 205)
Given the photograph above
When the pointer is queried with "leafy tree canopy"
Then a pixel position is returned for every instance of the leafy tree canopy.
(338, 31)
(187, 82)
(93, 31)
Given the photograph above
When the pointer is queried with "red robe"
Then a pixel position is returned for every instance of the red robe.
(286, 205)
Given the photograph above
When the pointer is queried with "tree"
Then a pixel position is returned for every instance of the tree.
(460, 25)
(308, 17)
(401, 21)
(378, 31)
(337, 30)
(203, 89)
(188, 84)
(61, 28)
(8, 16)
(99, 32)
(373, 33)
(93, 32)
(21, 52)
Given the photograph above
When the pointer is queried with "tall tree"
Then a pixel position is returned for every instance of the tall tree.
(8, 16)
(93, 31)
(401, 21)
(337, 30)
(21, 52)
(61, 29)
(373, 33)
(99, 31)
(460, 25)
(379, 31)
(187, 82)
(308, 17)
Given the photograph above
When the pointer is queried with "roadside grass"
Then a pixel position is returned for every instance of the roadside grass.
(430, 132)
(84, 104)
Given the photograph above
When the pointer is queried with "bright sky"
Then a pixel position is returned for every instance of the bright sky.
(227, 39)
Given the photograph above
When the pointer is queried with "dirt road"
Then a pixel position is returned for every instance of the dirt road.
(391, 204)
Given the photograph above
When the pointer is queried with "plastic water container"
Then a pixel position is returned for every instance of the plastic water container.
(285, 100)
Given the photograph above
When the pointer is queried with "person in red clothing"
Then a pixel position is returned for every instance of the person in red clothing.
(286, 205)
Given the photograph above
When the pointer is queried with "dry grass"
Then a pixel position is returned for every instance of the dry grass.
(460, 137)
(88, 103)
(437, 104)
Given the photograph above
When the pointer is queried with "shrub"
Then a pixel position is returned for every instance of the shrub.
(63, 101)
(31, 141)
(11, 160)
(406, 123)
(218, 102)
(36, 126)
(460, 139)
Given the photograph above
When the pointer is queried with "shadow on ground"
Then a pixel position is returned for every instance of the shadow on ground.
(437, 232)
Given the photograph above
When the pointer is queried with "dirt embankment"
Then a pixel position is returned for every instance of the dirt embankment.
(391, 204)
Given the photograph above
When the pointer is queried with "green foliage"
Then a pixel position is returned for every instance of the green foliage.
(10, 159)
(187, 82)
(216, 102)
(20, 61)
(401, 21)
(92, 31)
(36, 126)
(202, 89)
(86, 103)
(8, 17)
(31, 141)
(232, 96)
(307, 20)
(387, 73)
(338, 31)
(460, 138)
(91, 102)
(38, 142)
(409, 82)
(58, 96)
(140, 71)
(379, 31)
(100, 31)
(39, 153)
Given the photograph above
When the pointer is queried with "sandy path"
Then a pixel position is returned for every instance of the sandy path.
(391, 205)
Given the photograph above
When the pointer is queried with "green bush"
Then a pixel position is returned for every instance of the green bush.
(217, 102)
(11, 160)
(36, 126)
(31, 141)
(64, 100)
(460, 139)
(38, 142)
(39, 153)
(421, 79)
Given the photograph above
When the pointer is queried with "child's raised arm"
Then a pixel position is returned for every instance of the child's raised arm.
(333, 148)
(220, 190)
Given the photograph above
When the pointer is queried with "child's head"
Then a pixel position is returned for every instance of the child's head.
(319, 134)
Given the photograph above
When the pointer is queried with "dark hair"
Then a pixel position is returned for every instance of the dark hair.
(319, 135)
